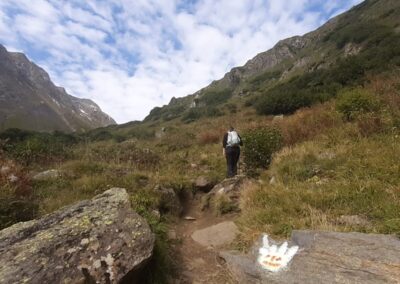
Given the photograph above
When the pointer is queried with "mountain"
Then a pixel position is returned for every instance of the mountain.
(29, 100)
(302, 70)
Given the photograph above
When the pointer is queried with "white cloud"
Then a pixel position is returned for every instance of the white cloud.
(130, 56)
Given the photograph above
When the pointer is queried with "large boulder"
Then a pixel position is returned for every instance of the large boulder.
(94, 241)
(326, 257)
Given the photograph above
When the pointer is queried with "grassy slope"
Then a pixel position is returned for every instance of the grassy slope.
(344, 168)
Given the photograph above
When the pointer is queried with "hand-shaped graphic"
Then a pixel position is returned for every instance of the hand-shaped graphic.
(274, 258)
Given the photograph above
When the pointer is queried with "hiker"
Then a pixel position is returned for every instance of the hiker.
(231, 150)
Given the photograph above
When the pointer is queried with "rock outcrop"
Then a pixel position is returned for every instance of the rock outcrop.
(94, 241)
(203, 183)
(327, 257)
(225, 195)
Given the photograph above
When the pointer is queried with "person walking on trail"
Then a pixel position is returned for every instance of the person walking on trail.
(231, 150)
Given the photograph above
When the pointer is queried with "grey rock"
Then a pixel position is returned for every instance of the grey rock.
(326, 257)
(217, 235)
(46, 175)
(228, 190)
(94, 241)
(351, 49)
(203, 184)
(169, 201)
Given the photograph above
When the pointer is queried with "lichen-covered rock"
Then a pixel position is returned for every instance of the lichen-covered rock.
(94, 241)
(326, 257)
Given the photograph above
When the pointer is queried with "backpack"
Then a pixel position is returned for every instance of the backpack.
(233, 139)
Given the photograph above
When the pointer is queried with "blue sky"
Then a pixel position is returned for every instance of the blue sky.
(132, 55)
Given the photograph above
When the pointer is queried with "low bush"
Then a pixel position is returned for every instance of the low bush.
(167, 112)
(17, 202)
(223, 205)
(214, 97)
(354, 102)
(231, 108)
(370, 123)
(196, 113)
(209, 137)
(259, 145)
(307, 123)
(37, 148)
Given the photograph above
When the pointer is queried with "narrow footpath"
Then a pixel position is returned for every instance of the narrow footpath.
(198, 261)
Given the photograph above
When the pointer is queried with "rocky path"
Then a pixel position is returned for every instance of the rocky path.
(196, 245)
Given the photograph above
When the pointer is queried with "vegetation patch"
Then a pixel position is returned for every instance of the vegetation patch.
(259, 145)
(355, 102)
(317, 182)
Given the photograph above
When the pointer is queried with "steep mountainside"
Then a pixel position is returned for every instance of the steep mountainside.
(301, 70)
(29, 100)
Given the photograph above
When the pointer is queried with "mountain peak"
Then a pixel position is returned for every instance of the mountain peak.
(30, 100)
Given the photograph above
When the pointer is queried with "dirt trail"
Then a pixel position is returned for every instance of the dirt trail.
(196, 263)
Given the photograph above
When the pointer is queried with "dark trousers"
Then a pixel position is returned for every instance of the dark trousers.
(232, 158)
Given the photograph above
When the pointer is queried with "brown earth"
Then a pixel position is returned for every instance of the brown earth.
(195, 263)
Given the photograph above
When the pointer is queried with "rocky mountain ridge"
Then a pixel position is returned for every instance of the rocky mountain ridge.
(356, 32)
(30, 100)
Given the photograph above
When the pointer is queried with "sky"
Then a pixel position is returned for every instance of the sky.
(132, 55)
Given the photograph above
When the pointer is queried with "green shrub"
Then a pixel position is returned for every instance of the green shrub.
(259, 145)
(102, 135)
(34, 147)
(17, 201)
(212, 98)
(355, 102)
(167, 112)
(141, 133)
(196, 113)
(249, 102)
(231, 107)
(223, 205)
(288, 102)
